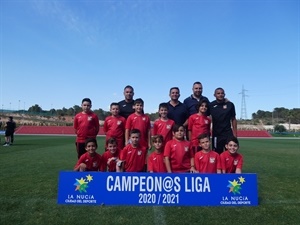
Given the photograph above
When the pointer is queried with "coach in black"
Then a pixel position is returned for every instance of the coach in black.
(224, 123)
(126, 105)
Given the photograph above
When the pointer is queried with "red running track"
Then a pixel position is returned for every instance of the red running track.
(69, 130)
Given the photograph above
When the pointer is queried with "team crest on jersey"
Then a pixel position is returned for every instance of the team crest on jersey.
(139, 152)
(119, 122)
(168, 127)
(90, 118)
(95, 164)
(206, 121)
(224, 106)
(212, 160)
(186, 149)
(144, 118)
(235, 162)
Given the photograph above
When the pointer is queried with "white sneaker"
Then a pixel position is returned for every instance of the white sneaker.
(6, 145)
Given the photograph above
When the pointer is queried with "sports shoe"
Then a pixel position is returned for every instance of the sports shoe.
(6, 145)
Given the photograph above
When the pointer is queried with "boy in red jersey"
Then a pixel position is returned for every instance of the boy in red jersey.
(163, 125)
(138, 120)
(206, 160)
(114, 126)
(179, 157)
(133, 155)
(111, 156)
(86, 125)
(156, 162)
(199, 123)
(91, 160)
(231, 161)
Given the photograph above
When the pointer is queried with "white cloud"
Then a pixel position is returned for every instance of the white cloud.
(58, 11)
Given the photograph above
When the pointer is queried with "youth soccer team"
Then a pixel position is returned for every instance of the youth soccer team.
(130, 139)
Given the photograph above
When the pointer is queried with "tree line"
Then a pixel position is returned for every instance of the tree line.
(72, 111)
(278, 115)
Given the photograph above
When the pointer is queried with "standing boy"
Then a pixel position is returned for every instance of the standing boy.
(133, 155)
(111, 155)
(179, 157)
(231, 160)
(199, 123)
(114, 126)
(163, 125)
(156, 162)
(206, 160)
(139, 120)
(86, 125)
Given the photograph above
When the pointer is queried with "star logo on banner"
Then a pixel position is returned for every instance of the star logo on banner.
(82, 184)
(235, 185)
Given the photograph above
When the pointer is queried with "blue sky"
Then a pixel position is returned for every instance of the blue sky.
(55, 53)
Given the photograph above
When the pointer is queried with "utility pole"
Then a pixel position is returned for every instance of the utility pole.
(243, 106)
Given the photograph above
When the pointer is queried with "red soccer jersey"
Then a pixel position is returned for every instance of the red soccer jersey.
(207, 162)
(142, 123)
(198, 125)
(114, 126)
(86, 125)
(112, 165)
(156, 163)
(180, 154)
(92, 163)
(134, 158)
(163, 128)
(230, 162)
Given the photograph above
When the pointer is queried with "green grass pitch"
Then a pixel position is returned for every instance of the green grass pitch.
(29, 181)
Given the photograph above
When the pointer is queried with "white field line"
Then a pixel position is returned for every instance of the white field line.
(159, 215)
